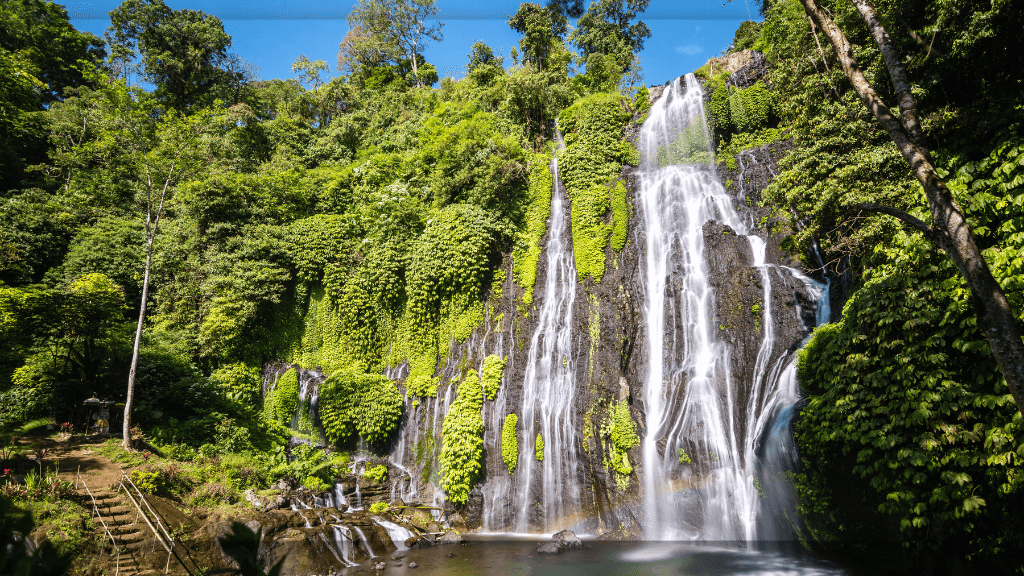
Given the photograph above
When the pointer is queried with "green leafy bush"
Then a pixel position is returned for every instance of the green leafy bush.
(462, 449)
(594, 155)
(377, 474)
(908, 425)
(539, 448)
(367, 405)
(510, 443)
(379, 507)
(315, 484)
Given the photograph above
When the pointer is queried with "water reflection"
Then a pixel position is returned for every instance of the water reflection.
(493, 555)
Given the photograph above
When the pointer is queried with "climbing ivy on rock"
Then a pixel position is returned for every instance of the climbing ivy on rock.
(358, 404)
(594, 155)
(510, 442)
(462, 449)
(527, 248)
(493, 369)
(280, 404)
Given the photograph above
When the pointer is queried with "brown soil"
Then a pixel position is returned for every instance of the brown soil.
(80, 456)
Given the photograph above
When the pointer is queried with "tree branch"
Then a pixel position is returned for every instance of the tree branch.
(906, 217)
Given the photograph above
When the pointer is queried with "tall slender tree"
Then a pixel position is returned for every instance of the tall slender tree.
(949, 229)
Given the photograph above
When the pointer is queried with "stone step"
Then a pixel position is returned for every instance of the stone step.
(131, 537)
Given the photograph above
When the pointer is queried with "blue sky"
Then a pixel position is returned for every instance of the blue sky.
(272, 33)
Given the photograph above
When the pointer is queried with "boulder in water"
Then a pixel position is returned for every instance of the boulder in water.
(549, 548)
(561, 541)
(568, 540)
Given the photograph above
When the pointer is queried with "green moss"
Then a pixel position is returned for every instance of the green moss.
(620, 216)
(378, 507)
(353, 403)
(619, 432)
(510, 443)
(539, 448)
(462, 449)
(594, 326)
(493, 369)
(527, 248)
(684, 458)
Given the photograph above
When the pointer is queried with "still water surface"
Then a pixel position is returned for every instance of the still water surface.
(484, 555)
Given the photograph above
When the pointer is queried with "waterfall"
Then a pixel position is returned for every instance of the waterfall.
(711, 443)
(538, 496)
(544, 497)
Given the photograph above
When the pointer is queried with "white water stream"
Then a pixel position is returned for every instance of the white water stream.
(734, 432)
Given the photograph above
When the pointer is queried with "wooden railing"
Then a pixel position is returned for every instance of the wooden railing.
(96, 514)
(143, 508)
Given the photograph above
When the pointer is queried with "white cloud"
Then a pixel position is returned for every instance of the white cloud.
(689, 49)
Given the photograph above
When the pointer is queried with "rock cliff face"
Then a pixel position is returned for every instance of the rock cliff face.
(601, 493)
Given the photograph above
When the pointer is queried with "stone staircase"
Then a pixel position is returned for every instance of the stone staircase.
(129, 531)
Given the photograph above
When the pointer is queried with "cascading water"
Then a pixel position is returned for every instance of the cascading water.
(549, 388)
(709, 438)
(539, 496)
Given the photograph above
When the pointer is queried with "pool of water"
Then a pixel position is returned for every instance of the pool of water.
(517, 556)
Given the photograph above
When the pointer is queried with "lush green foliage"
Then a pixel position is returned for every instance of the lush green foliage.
(527, 249)
(353, 403)
(461, 457)
(510, 442)
(909, 434)
(593, 158)
(378, 474)
(905, 398)
(283, 399)
(538, 448)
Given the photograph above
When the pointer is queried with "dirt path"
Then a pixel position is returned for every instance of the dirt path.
(82, 456)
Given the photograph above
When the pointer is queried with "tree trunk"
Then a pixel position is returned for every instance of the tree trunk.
(150, 236)
(415, 70)
(127, 438)
(949, 229)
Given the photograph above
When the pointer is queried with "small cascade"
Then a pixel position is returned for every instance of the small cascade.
(712, 442)
(397, 533)
(365, 541)
(343, 545)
